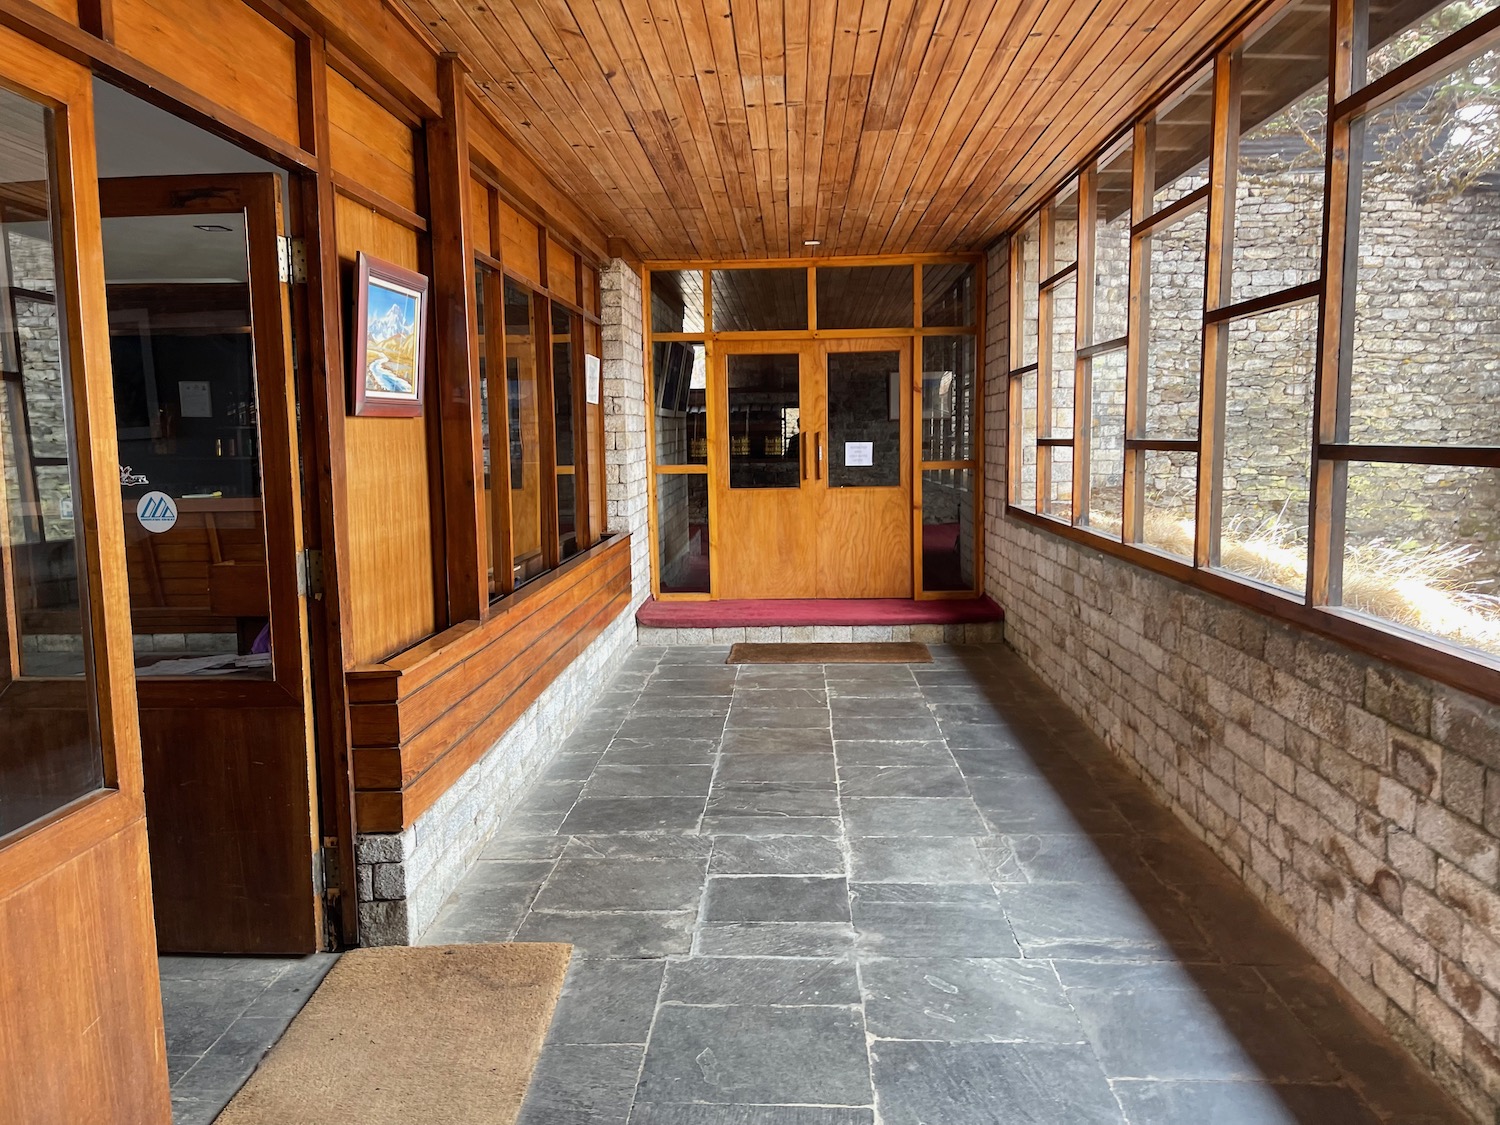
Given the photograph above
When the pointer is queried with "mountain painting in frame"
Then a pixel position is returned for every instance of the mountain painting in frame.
(389, 352)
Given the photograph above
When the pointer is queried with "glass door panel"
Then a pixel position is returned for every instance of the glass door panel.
(865, 409)
(765, 420)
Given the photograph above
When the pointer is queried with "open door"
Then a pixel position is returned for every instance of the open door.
(211, 490)
(80, 1004)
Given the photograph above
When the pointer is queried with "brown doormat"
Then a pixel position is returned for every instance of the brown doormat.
(402, 1036)
(873, 652)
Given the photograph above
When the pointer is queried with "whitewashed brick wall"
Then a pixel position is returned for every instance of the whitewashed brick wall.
(404, 878)
(1359, 802)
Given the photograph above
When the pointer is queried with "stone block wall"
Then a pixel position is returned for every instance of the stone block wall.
(1359, 802)
(404, 878)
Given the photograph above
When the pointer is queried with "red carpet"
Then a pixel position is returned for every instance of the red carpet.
(739, 614)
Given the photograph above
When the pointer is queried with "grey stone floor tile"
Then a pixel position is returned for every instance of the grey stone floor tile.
(873, 689)
(808, 740)
(287, 995)
(647, 1114)
(569, 767)
(472, 918)
(487, 874)
(648, 781)
(582, 886)
(990, 1084)
(782, 981)
(916, 729)
(937, 780)
(643, 845)
(202, 1010)
(754, 677)
(526, 823)
(889, 859)
(633, 814)
(1239, 928)
(966, 999)
(1071, 858)
(782, 697)
(226, 1065)
(510, 846)
(808, 771)
(178, 1065)
(880, 707)
(872, 673)
(672, 726)
(978, 736)
(855, 754)
(776, 898)
(1186, 1034)
(980, 894)
(1240, 1103)
(241, 971)
(933, 929)
(775, 939)
(1173, 975)
(766, 1055)
(744, 825)
(660, 752)
(776, 718)
(771, 799)
(912, 817)
(777, 855)
(582, 1085)
(622, 934)
(1080, 920)
(607, 1002)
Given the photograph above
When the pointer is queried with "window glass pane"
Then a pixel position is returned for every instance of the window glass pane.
(682, 532)
(524, 406)
(765, 421)
(565, 409)
(1268, 445)
(948, 296)
(1025, 495)
(948, 529)
(1064, 322)
(1170, 514)
(769, 300)
(1422, 549)
(51, 750)
(866, 296)
(1112, 246)
(486, 415)
(865, 406)
(1278, 209)
(1030, 250)
(1058, 500)
(679, 387)
(1427, 310)
(1184, 135)
(677, 301)
(567, 513)
(1174, 327)
(1106, 444)
(1400, 30)
(1065, 227)
(948, 406)
(188, 425)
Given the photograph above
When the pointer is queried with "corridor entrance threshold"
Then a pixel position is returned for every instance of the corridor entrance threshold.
(757, 613)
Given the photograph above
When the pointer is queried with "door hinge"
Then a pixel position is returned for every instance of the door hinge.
(310, 573)
(291, 257)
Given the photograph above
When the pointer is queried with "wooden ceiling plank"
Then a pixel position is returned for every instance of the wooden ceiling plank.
(718, 23)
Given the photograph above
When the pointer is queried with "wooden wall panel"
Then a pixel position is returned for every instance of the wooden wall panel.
(82, 1038)
(63, 9)
(390, 571)
(369, 144)
(520, 244)
(562, 270)
(479, 213)
(220, 49)
(419, 721)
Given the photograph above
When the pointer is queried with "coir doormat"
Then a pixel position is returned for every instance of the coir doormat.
(873, 652)
(402, 1036)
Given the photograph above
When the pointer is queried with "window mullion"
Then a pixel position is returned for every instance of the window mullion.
(1083, 369)
(1143, 175)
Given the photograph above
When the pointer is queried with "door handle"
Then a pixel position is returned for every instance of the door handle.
(818, 455)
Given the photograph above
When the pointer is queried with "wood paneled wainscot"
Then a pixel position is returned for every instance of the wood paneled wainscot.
(422, 718)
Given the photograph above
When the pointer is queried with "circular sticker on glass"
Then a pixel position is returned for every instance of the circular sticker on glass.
(157, 512)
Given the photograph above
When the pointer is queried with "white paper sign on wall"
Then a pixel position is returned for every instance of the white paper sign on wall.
(859, 454)
(592, 372)
(157, 512)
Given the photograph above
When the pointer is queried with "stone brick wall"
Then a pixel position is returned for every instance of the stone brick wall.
(1359, 802)
(404, 878)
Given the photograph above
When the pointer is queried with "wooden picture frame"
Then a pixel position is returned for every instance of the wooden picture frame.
(392, 301)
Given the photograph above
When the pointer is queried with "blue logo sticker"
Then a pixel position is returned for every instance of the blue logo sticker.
(157, 512)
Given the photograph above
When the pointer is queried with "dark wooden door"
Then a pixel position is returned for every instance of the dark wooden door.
(201, 341)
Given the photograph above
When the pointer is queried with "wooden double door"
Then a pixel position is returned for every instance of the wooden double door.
(813, 440)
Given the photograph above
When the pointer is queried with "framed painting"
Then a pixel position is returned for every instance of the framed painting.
(388, 352)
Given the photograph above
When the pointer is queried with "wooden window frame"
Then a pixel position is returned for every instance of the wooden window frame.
(1318, 607)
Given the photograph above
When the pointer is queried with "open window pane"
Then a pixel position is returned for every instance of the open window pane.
(51, 754)
(760, 300)
(524, 396)
(866, 296)
(1106, 444)
(679, 390)
(1426, 355)
(1184, 136)
(1268, 445)
(948, 296)
(677, 301)
(1111, 279)
(1174, 328)
(1171, 497)
(682, 532)
(948, 529)
(1422, 549)
(948, 405)
(1278, 209)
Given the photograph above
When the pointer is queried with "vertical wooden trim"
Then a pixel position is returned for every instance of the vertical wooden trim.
(1335, 324)
(812, 298)
(1017, 281)
(1045, 301)
(976, 414)
(457, 353)
(1137, 352)
(583, 508)
(502, 532)
(1083, 369)
(321, 354)
(1218, 277)
(97, 17)
(541, 332)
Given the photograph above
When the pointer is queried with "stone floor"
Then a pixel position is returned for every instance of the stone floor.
(899, 894)
(222, 1015)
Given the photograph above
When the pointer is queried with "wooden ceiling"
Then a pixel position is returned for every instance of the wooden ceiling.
(727, 129)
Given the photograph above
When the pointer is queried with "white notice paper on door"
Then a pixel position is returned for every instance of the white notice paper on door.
(591, 370)
(859, 454)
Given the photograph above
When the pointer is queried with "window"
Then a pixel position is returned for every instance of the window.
(1204, 342)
